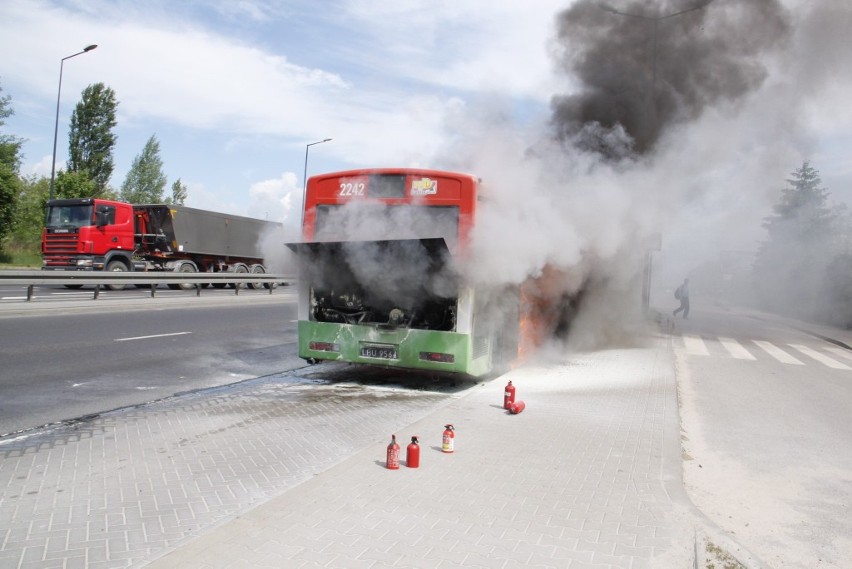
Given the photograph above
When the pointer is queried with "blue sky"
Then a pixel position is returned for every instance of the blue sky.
(234, 90)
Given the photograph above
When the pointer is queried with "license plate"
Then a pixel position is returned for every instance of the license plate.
(381, 352)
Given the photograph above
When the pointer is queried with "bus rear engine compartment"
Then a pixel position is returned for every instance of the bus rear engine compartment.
(391, 284)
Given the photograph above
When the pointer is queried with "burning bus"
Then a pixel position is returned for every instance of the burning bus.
(380, 279)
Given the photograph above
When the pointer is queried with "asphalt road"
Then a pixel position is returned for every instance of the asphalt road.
(765, 417)
(66, 357)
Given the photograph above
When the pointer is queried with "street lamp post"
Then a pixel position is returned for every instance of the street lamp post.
(699, 4)
(305, 175)
(86, 49)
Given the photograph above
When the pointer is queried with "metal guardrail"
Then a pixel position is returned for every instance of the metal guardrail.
(99, 279)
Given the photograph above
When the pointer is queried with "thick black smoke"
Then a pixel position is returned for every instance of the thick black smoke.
(646, 65)
(672, 132)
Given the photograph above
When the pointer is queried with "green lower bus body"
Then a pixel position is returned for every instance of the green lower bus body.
(410, 345)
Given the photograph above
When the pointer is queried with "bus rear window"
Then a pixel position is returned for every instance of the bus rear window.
(360, 221)
(386, 186)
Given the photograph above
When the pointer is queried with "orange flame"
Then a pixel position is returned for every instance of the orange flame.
(540, 310)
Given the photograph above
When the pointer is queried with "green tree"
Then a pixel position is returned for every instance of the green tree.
(9, 184)
(29, 214)
(10, 162)
(145, 181)
(74, 185)
(10, 146)
(179, 193)
(91, 138)
(803, 211)
(791, 266)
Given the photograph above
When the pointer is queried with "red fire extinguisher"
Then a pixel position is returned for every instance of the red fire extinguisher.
(449, 439)
(412, 454)
(516, 407)
(508, 395)
(393, 454)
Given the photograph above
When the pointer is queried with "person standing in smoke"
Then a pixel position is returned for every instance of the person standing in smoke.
(682, 294)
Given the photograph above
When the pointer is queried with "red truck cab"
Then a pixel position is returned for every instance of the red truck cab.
(88, 234)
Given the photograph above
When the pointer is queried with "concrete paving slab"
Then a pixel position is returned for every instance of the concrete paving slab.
(287, 472)
(123, 487)
(588, 475)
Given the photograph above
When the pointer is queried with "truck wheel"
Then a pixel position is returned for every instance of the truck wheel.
(116, 267)
(184, 268)
(239, 268)
(259, 270)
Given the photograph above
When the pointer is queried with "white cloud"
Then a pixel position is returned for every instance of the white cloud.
(190, 77)
(475, 46)
(277, 200)
(41, 167)
(166, 69)
(386, 81)
(252, 9)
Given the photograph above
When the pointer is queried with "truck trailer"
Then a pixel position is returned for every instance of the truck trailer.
(91, 234)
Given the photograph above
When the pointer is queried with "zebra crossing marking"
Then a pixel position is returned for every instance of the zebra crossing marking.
(695, 346)
(778, 353)
(736, 350)
(830, 362)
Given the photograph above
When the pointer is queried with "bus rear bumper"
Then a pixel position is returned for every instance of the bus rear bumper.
(399, 348)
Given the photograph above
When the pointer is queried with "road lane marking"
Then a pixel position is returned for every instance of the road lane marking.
(736, 350)
(695, 346)
(152, 336)
(830, 362)
(778, 353)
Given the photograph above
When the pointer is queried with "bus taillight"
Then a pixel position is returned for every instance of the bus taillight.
(437, 357)
(324, 346)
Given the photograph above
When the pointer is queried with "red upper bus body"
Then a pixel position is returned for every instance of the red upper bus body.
(417, 204)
